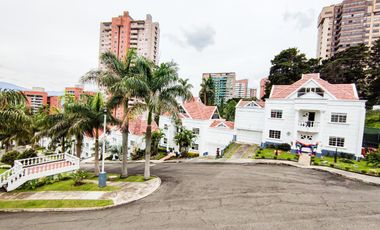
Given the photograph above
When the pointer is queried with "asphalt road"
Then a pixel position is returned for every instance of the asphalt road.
(210, 196)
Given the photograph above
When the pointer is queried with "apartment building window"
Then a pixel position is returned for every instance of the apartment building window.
(166, 127)
(336, 141)
(195, 147)
(276, 114)
(275, 134)
(196, 131)
(165, 141)
(338, 117)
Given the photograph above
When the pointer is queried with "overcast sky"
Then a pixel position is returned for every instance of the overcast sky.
(53, 43)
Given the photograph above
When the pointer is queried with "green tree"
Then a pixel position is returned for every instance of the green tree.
(229, 110)
(348, 66)
(184, 139)
(207, 92)
(117, 79)
(159, 87)
(374, 75)
(288, 67)
(156, 138)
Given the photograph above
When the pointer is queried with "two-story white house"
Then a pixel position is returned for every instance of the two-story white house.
(212, 132)
(311, 112)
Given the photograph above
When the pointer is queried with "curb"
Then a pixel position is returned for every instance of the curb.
(79, 209)
(338, 172)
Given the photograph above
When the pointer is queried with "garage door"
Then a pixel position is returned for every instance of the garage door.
(249, 137)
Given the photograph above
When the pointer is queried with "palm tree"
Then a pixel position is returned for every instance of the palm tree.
(160, 88)
(207, 93)
(184, 139)
(116, 80)
(88, 118)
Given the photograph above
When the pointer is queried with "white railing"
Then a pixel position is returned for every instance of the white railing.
(37, 167)
(308, 124)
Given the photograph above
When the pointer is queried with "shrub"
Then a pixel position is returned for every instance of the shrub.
(46, 180)
(262, 157)
(192, 155)
(30, 185)
(315, 163)
(275, 157)
(347, 168)
(29, 153)
(79, 176)
(288, 159)
(363, 171)
(373, 159)
(332, 165)
(259, 152)
(10, 157)
(139, 154)
(284, 147)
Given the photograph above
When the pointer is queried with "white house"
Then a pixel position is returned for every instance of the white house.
(212, 132)
(309, 112)
(136, 137)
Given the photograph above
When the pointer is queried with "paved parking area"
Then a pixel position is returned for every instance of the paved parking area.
(227, 196)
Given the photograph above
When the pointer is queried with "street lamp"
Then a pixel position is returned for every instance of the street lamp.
(103, 175)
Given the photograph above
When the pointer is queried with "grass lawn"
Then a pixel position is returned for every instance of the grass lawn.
(135, 178)
(372, 119)
(270, 154)
(68, 185)
(231, 150)
(355, 166)
(3, 170)
(54, 203)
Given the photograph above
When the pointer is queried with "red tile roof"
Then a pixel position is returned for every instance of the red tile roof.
(229, 124)
(340, 91)
(195, 109)
(138, 126)
(243, 103)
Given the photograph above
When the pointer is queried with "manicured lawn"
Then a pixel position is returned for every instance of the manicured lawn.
(3, 170)
(54, 203)
(68, 185)
(355, 166)
(270, 154)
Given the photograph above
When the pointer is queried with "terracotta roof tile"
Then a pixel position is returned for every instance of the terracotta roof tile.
(340, 91)
(197, 110)
(138, 126)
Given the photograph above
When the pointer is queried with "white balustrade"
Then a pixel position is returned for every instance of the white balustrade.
(37, 167)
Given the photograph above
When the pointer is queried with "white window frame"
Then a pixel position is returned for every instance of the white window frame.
(276, 114)
(338, 118)
(275, 134)
(166, 126)
(337, 141)
(196, 131)
(193, 147)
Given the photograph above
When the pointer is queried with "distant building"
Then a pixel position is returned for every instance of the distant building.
(252, 93)
(224, 84)
(347, 24)
(54, 102)
(36, 98)
(123, 33)
(76, 93)
(263, 83)
(241, 88)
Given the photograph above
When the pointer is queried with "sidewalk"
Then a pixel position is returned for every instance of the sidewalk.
(129, 192)
(350, 175)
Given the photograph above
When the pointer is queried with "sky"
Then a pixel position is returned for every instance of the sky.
(52, 44)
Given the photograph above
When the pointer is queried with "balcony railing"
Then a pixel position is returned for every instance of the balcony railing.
(311, 126)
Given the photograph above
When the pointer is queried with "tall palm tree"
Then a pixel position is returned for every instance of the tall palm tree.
(207, 92)
(116, 79)
(160, 88)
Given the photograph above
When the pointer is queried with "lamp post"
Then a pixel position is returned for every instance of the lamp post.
(103, 175)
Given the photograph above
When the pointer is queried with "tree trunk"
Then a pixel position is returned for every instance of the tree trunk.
(79, 145)
(63, 145)
(156, 143)
(124, 147)
(148, 137)
(205, 98)
(96, 170)
(7, 147)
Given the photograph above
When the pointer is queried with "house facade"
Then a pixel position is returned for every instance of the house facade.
(212, 132)
(310, 112)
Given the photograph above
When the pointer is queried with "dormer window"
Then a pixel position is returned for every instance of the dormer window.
(307, 90)
(181, 110)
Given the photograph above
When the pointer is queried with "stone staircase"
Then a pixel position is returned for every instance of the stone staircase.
(33, 168)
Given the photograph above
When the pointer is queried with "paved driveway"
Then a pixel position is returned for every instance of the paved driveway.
(209, 196)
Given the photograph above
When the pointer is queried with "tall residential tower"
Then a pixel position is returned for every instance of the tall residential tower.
(123, 33)
(347, 24)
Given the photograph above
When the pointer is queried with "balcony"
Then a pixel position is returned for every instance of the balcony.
(308, 126)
